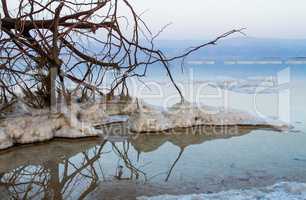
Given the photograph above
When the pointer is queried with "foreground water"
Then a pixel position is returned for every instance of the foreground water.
(124, 166)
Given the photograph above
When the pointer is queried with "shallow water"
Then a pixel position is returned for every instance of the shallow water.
(126, 166)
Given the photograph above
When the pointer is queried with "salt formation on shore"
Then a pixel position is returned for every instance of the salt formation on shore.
(5, 140)
(146, 118)
(279, 191)
(182, 115)
(92, 114)
(25, 125)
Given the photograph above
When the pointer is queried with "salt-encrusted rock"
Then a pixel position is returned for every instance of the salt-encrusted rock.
(5, 140)
(15, 108)
(130, 107)
(184, 115)
(30, 129)
(119, 105)
(93, 114)
(68, 132)
(41, 126)
(148, 119)
(278, 191)
(77, 121)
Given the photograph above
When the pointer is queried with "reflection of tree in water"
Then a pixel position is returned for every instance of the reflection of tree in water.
(71, 170)
(24, 179)
(59, 176)
(183, 138)
(123, 155)
(69, 178)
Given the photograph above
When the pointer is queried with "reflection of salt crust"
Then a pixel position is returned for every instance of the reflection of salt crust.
(183, 115)
(279, 191)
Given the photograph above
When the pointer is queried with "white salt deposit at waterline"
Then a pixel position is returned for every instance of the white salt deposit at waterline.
(279, 191)
(41, 125)
(25, 125)
(148, 118)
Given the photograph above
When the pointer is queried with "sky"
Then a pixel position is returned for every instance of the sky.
(204, 19)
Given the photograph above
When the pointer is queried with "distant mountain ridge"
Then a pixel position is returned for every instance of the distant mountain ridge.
(239, 48)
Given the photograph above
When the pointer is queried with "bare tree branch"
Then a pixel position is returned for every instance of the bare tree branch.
(76, 44)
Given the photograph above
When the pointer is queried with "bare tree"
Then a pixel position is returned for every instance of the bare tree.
(50, 46)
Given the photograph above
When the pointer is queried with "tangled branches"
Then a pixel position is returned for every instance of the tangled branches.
(51, 48)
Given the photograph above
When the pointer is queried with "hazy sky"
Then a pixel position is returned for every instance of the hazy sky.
(203, 19)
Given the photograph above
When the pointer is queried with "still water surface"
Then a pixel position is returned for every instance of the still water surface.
(190, 161)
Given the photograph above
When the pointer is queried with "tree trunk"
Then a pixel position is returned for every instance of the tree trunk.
(53, 75)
